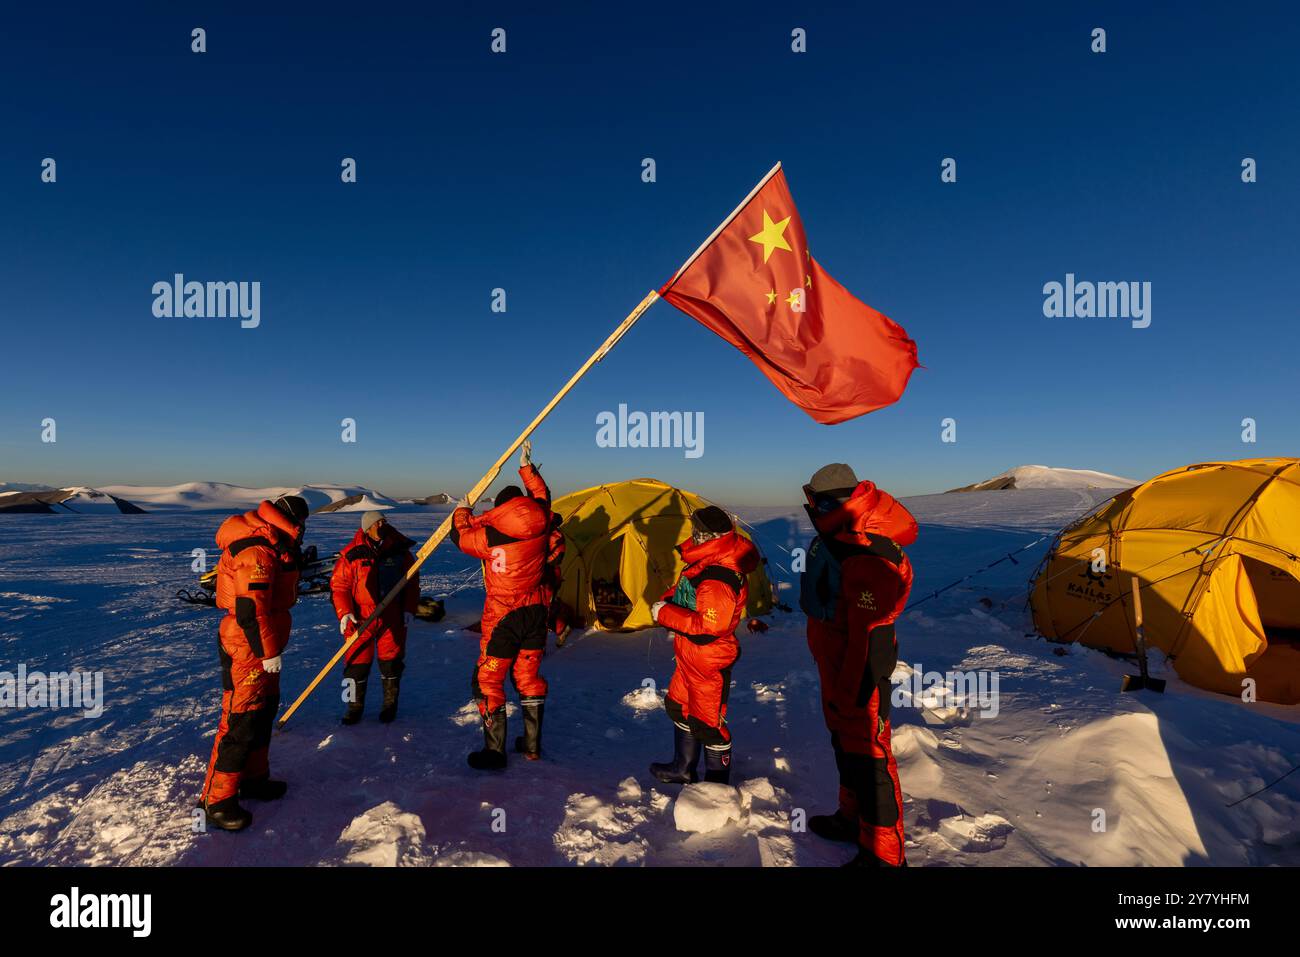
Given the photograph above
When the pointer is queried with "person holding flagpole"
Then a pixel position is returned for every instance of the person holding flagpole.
(513, 541)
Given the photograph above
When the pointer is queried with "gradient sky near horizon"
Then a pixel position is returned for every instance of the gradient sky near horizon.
(523, 171)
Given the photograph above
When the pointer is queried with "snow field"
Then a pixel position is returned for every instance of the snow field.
(1065, 771)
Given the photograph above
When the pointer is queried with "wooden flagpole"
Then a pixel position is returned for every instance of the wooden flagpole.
(434, 540)
(721, 226)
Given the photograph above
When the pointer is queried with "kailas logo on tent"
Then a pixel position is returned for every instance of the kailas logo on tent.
(1092, 585)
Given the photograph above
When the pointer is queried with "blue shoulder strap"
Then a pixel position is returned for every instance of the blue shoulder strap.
(819, 587)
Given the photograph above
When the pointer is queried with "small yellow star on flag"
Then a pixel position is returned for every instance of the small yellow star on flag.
(772, 236)
(771, 297)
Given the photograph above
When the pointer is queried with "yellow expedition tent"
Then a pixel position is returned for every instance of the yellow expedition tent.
(1214, 547)
(620, 552)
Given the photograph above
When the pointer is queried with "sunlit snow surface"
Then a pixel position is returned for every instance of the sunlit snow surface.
(1028, 786)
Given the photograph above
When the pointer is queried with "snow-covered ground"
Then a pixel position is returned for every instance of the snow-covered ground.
(1027, 785)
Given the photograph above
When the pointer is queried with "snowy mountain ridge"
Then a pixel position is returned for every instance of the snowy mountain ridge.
(221, 496)
(76, 499)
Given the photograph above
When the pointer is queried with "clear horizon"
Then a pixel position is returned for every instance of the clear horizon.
(556, 492)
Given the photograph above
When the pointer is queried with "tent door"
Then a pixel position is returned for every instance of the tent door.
(1278, 597)
(607, 594)
(1277, 593)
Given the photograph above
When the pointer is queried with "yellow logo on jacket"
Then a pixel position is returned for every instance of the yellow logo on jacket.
(711, 614)
(867, 600)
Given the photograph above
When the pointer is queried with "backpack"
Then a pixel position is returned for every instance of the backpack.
(819, 586)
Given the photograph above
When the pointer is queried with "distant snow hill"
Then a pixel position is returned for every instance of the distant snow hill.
(221, 497)
(77, 500)
(438, 498)
(1043, 476)
(6, 487)
(361, 502)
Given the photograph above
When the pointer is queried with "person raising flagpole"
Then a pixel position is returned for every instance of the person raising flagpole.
(513, 541)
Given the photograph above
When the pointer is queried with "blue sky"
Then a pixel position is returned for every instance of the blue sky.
(522, 171)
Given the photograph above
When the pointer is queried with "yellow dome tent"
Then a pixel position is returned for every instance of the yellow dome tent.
(620, 552)
(1214, 547)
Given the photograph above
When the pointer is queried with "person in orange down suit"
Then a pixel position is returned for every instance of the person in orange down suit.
(368, 568)
(701, 613)
(513, 540)
(854, 588)
(257, 584)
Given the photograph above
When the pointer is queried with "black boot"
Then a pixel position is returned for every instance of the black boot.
(389, 711)
(264, 789)
(686, 756)
(493, 755)
(227, 815)
(529, 744)
(357, 706)
(717, 764)
(834, 827)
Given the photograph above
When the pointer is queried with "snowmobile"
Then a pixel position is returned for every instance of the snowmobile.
(313, 579)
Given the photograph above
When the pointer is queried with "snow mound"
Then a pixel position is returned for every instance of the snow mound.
(595, 832)
(988, 832)
(629, 790)
(643, 700)
(1045, 476)
(384, 836)
(706, 807)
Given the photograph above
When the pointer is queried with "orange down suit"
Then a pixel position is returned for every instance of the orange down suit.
(364, 573)
(513, 541)
(704, 636)
(257, 584)
(855, 587)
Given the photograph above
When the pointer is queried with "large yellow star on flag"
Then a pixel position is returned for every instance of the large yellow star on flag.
(772, 236)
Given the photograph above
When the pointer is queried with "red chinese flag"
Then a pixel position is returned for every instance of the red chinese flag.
(756, 285)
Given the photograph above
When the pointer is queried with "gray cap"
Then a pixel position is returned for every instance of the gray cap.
(836, 479)
(369, 519)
